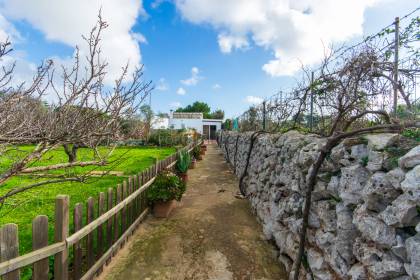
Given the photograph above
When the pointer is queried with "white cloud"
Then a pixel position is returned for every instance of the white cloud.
(162, 85)
(155, 4)
(298, 32)
(66, 21)
(8, 31)
(181, 91)
(216, 86)
(139, 38)
(195, 77)
(175, 104)
(24, 70)
(229, 42)
(253, 99)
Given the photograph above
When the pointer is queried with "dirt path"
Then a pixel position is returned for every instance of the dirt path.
(211, 235)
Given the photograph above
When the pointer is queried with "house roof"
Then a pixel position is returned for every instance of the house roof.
(180, 115)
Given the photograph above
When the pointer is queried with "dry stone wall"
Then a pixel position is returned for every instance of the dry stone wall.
(364, 221)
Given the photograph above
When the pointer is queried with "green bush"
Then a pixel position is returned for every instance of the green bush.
(167, 186)
(196, 152)
(413, 133)
(364, 161)
(183, 162)
(168, 137)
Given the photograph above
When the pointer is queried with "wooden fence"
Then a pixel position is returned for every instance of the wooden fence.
(82, 254)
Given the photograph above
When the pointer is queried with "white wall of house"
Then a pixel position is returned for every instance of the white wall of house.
(160, 123)
(217, 123)
(196, 124)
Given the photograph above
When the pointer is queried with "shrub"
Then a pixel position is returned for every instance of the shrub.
(167, 186)
(364, 161)
(169, 137)
(196, 152)
(413, 133)
(183, 162)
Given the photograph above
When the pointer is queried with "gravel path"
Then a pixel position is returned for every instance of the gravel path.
(210, 235)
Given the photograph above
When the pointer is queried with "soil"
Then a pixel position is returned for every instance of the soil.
(210, 235)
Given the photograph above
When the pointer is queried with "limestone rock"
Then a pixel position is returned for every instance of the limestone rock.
(357, 272)
(338, 153)
(325, 210)
(401, 212)
(318, 265)
(381, 141)
(324, 241)
(379, 263)
(359, 152)
(395, 177)
(346, 233)
(338, 263)
(376, 161)
(333, 186)
(353, 179)
(411, 184)
(378, 192)
(410, 159)
(386, 269)
(413, 254)
(373, 228)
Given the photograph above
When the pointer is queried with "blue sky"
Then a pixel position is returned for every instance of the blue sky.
(225, 53)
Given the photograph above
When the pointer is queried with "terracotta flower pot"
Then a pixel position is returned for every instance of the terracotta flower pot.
(193, 164)
(200, 157)
(184, 177)
(204, 147)
(162, 209)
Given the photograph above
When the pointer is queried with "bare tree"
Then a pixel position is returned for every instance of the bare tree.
(85, 112)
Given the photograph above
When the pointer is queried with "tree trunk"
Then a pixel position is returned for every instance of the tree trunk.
(71, 153)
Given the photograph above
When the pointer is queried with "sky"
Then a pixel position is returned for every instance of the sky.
(228, 53)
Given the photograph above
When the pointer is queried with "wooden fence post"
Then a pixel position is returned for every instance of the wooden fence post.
(9, 248)
(40, 240)
(77, 247)
(61, 232)
(131, 204)
(117, 217)
(109, 222)
(89, 239)
(124, 210)
(135, 202)
(100, 229)
(141, 196)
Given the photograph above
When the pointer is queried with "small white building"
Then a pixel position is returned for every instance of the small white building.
(207, 127)
(160, 122)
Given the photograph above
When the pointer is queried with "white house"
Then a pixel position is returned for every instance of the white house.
(160, 122)
(207, 127)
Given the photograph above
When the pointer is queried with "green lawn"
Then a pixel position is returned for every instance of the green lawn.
(22, 208)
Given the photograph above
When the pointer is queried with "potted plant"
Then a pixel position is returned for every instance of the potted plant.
(182, 164)
(203, 149)
(193, 163)
(163, 193)
(196, 152)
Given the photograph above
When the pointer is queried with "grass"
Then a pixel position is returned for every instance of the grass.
(22, 208)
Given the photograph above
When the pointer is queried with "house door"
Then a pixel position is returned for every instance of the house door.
(209, 132)
(212, 132)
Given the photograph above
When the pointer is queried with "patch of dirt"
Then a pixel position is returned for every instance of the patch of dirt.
(210, 235)
(101, 173)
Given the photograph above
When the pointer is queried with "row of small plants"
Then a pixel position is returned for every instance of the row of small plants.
(169, 186)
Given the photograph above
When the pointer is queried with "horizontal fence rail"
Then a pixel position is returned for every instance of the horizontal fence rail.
(126, 208)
